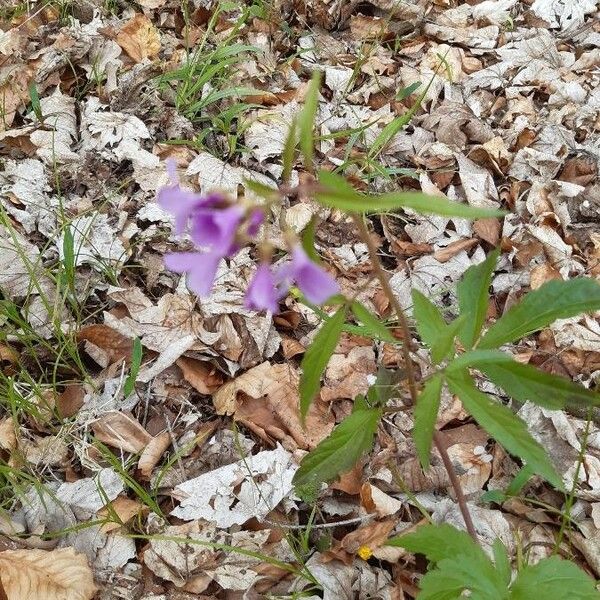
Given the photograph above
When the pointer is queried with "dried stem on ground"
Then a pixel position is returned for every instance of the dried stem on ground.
(438, 438)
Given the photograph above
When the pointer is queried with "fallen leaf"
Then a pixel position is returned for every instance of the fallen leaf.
(233, 494)
(106, 345)
(153, 452)
(200, 375)
(120, 430)
(139, 38)
(266, 399)
(46, 575)
(119, 512)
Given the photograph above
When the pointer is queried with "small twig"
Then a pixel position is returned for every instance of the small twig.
(438, 439)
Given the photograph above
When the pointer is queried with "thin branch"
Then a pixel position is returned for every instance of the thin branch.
(438, 438)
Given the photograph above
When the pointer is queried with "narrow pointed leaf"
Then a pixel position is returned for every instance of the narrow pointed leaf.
(432, 327)
(504, 426)
(317, 356)
(422, 203)
(306, 120)
(426, 411)
(429, 320)
(473, 294)
(526, 383)
(376, 328)
(553, 300)
(289, 151)
(339, 452)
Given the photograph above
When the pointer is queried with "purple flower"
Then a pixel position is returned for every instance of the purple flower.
(262, 293)
(314, 282)
(200, 267)
(255, 220)
(215, 229)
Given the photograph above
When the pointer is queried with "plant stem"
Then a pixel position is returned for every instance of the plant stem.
(438, 438)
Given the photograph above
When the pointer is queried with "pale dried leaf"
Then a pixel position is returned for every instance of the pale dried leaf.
(139, 38)
(41, 575)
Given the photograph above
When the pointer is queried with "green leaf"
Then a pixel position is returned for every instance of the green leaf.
(473, 297)
(479, 358)
(340, 451)
(553, 579)
(289, 151)
(430, 322)
(308, 240)
(335, 194)
(504, 426)
(432, 327)
(306, 119)
(437, 542)
(526, 383)
(136, 362)
(502, 561)
(36, 105)
(317, 356)
(426, 410)
(553, 300)
(461, 564)
(377, 329)
(407, 91)
(261, 189)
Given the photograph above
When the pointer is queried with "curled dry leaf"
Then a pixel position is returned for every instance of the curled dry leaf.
(152, 453)
(46, 575)
(120, 430)
(139, 38)
(120, 511)
(200, 375)
(266, 400)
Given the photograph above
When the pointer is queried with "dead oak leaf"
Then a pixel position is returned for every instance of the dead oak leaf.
(46, 575)
(139, 38)
(266, 400)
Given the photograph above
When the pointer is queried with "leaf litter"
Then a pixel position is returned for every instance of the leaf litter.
(211, 433)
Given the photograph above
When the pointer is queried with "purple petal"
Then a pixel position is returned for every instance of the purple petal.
(180, 203)
(314, 282)
(262, 293)
(255, 221)
(216, 228)
(200, 267)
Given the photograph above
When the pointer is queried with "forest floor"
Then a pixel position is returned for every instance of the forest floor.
(137, 419)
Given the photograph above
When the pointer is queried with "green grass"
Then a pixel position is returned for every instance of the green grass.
(201, 85)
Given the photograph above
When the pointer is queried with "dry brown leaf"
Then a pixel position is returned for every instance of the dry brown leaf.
(201, 375)
(71, 400)
(453, 249)
(347, 374)
(363, 27)
(139, 38)
(372, 535)
(105, 345)
(266, 400)
(8, 355)
(541, 274)
(8, 438)
(488, 230)
(121, 507)
(153, 453)
(120, 430)
(46, 575)
(374, 500)
(14, 92)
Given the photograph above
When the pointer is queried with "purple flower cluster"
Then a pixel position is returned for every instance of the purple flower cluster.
(219, 228)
